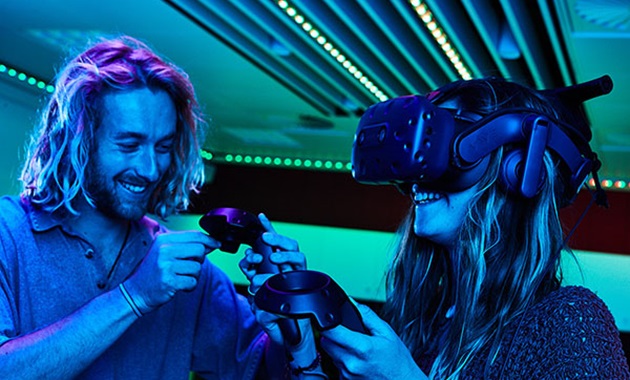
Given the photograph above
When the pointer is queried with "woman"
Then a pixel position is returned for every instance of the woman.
(474, 286)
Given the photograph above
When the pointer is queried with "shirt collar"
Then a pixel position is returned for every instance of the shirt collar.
(42, 220)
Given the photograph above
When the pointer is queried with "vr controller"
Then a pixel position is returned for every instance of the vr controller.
(233, 227)
(309, 294)
(293, 294)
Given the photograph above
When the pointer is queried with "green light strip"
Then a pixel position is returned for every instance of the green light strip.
(25, 78)
(427, 17)
(275, 161)
(611, 184)
(331, 49)
(341, 166)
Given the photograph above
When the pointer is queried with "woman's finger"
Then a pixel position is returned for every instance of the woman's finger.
(266, 223)
(296, 260)
(280, 241)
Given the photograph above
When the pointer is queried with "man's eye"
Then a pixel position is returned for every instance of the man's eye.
(165, 148)
(128, 146)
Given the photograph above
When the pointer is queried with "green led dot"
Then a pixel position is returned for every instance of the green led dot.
(229, 158)
(288, 161)
(21, 76)
(328, 165)
(247, 159)
(258, 160)
(31, 81)
(297, 162)
(607, 183)
(338, 165)
(12, 72)
(349, 166)
(3, 68)
(238, 158)
(307, 163)
(318, 164)
(41, 84)
(205, 154)
(267, 160)
(277, 161)
(50, 89)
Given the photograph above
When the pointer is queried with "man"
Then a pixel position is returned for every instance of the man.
(89, 286)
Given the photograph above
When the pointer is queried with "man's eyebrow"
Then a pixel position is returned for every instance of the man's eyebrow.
(169, 137)
(140, 136)
(128, 134)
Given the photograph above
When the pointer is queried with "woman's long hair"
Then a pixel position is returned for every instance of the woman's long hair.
(54, 172)
(507, 257)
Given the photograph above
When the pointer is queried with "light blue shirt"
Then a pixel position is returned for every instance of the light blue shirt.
(47, 272)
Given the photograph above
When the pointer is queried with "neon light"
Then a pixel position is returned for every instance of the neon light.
(424, 13)
(341, 166)
(322, 41)
(25, 78)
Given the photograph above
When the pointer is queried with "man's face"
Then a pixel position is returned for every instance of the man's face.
(132, 151)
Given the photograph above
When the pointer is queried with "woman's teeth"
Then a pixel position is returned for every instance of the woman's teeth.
(421, 198)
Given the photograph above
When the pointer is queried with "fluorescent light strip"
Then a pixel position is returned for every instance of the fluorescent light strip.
(25, 78)
(612, 184)
(331, 49)
(264, 160)
(440, 37)
(301, 163)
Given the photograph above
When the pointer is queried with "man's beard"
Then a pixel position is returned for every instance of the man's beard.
(104, 192)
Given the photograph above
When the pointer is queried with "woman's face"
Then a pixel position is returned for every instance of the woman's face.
(439, 215)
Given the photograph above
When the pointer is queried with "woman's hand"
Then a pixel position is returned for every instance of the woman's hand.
(379, 355)
(288, 257)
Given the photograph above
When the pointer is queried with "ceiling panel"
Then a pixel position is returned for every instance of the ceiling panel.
(271, 90)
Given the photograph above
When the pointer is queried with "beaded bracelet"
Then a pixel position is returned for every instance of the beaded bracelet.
(129, 300)
(291, 371)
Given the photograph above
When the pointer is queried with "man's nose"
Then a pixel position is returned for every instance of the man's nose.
(147, 166)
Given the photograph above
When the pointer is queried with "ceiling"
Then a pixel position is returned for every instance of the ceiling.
(270, 90)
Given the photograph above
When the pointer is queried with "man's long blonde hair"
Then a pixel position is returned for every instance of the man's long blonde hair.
(54, 172)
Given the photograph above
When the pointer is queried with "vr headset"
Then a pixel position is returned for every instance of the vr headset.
(410, 140)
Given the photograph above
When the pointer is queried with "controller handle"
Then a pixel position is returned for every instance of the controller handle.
(265, 266)
(233, 227)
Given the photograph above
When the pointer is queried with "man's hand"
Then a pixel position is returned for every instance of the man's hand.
(172, 264)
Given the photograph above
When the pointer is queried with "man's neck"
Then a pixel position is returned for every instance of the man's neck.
(98, 228)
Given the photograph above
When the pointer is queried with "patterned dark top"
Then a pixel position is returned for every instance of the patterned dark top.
(570, 334)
